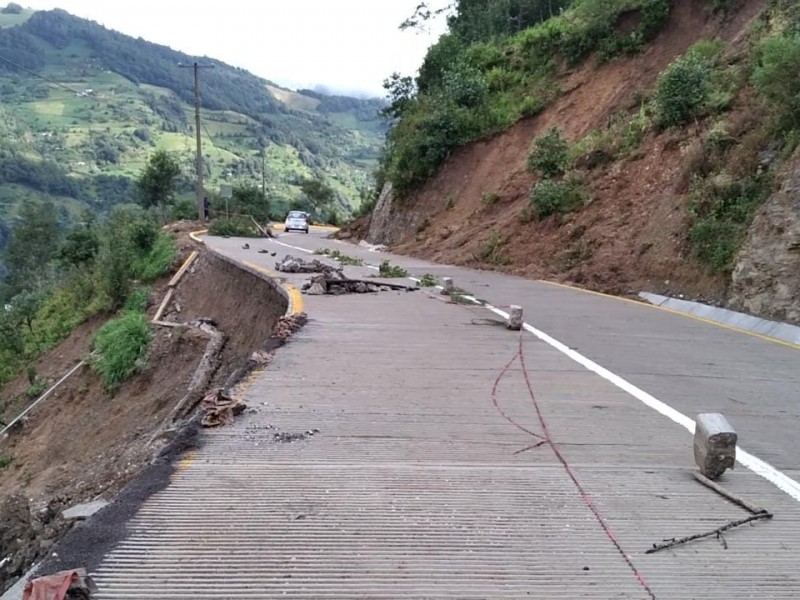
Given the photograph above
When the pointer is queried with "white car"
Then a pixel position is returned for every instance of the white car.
(296, 221)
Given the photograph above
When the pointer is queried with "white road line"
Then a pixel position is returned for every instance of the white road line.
(293, 247)
(783, 482)
(780, 480)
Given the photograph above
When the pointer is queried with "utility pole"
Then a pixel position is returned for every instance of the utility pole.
(197, 125)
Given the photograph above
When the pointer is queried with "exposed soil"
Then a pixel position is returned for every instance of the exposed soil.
(242, 306)
(633, 234)
(83, 443)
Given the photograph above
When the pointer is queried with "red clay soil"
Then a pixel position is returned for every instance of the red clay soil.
(632, 236)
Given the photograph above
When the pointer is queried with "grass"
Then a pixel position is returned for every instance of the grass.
(157, 262)
(338, 256)
(490, 198)
(389, 271)
(121, 345)
(491, 251)
(428, 280)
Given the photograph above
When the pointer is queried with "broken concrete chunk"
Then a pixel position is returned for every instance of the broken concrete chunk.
(84, 511)
(714, 445)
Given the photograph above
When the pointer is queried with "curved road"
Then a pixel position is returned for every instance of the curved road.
(691, 365)
(402, 446)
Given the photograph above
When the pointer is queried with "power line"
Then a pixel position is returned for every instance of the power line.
(39, 75)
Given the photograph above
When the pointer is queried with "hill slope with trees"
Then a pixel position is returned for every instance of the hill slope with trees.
(84, 107)
(623, 145)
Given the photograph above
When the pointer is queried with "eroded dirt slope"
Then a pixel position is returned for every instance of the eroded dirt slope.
(84, 443)
(632, 236)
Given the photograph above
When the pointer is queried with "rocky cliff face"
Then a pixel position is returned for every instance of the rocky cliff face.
(389, 223)
(766, 280)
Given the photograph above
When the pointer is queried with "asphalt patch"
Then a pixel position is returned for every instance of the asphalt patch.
(87, 544)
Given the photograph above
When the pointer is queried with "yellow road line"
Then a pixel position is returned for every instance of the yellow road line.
(195, 235)
(295, 297)
(677, 312)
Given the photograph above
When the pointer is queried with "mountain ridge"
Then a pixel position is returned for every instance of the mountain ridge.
(89, 104)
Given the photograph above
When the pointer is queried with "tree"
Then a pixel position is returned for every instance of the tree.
(401, 91)
(156, 184)
(248, 199)
(318, 193)
(81, 244)
(34, 243)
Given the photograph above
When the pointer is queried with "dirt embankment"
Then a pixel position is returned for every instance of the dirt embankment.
(82, 443)
(632, 236)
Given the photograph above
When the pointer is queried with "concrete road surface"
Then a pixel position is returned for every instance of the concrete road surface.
(403, 446)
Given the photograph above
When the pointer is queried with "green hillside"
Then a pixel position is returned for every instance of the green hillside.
(112, 100)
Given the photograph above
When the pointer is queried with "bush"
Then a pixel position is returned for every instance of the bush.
(683, 89)
(723, 209)
(550, 154)
(389, 271)
(490, 198)
(776, 78)
(234, 227)
(184, 209)
(716, 242)
(137, 301)
(157, 261)
(491, 251)
(121, 345)
(549, 197)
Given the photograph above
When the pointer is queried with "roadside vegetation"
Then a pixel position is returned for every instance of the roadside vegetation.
(390, 271)
(61, 274)
(501, 61)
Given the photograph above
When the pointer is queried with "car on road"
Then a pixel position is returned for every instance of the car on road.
(297, 221)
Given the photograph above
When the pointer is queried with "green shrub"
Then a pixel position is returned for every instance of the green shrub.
(716, 242)
(138, 300)
(234, 227)
(157, 262)
(184, 209)
(5, 461)
(722, 209)
(449, 203)
(549, 197)
(115, 272)
(491, 251)
(389, 271)
(550, 154)
(777, 77)
(682, 91)
(490, 198)
(428, 280)
(121, 345)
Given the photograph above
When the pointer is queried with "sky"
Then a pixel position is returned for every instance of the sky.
(348, 46)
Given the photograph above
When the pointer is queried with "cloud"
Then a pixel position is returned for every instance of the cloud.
(347, 46)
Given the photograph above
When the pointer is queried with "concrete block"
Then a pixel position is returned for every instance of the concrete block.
(515, 318)
(714, 445)
(448, 286)
(84, 511)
